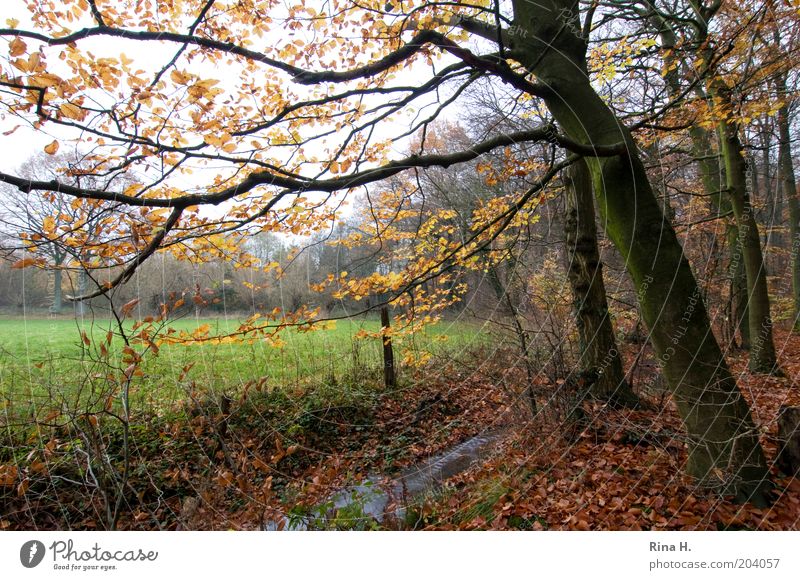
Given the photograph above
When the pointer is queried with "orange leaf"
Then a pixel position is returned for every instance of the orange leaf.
(24, 263)
(129, 306)
(52, 148)
(17, 47)
(72, 111)
(37, 466)
(8, 475)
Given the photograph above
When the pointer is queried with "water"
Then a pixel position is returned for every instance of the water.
(375, 500)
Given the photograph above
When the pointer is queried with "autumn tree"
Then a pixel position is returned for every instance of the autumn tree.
(695, 64)
(53, 231)
(34, 220)
(278, 111)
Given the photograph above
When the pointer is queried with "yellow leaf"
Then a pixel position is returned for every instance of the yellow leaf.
(72, 111)
(133, 189)
(45, 79)
(180, 78)
(33, 61)
(213, 140)
(20, 64)
(52, 148)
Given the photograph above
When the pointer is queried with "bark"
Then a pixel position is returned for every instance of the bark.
(713, 178)
(722, 437)
(788, 459)
(389, 378)
(789, 189)
(83, 287)
(762, 349)
(599, 356)
(58, 295)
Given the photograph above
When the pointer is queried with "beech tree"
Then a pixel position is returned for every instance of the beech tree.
(599, 352)
(783, 47)
(51, 232)
(280, 110)
(34, 221)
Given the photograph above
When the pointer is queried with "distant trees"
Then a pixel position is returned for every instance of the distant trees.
(36, 220)
(56, 232)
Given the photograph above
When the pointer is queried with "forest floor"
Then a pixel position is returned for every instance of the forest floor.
(218, 462)
(621, 469)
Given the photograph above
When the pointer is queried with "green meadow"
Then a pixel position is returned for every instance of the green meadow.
(44, 363)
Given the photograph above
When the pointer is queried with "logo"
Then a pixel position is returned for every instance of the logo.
(31, 553)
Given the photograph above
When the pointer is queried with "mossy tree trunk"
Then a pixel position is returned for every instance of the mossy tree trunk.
(713, 178)
(599, 355)
(722, 437)
(789, 189)
(762, 348)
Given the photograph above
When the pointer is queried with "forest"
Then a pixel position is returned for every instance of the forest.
(399, 265)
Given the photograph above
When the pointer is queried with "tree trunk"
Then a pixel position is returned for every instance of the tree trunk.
(713, 177)
(789, 189)
(389, 378)
(788, 459)
(762, 349)
(599, 354)
(722, 437)
(83, 287)
(58, 295)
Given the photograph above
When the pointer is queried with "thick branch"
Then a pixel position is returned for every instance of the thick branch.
(298, 183)
(300, 75)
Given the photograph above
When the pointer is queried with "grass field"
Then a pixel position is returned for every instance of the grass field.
(42, 360)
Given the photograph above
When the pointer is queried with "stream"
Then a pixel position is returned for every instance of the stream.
(376, 500)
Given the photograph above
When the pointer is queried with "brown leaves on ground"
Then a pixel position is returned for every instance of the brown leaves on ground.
(623, 471)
